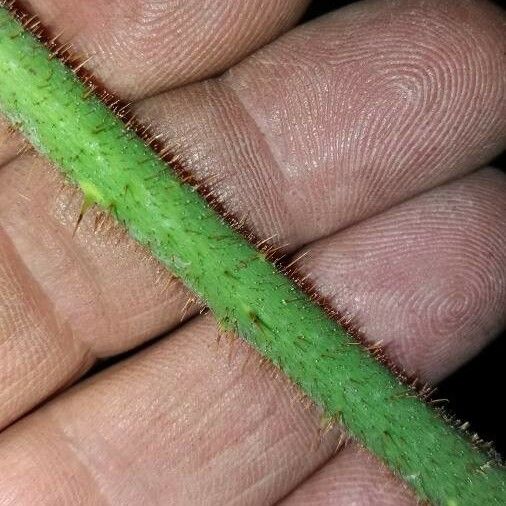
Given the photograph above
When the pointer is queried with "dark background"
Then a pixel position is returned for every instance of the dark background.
(475, 391)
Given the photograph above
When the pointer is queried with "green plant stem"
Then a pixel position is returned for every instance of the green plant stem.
(246, 293)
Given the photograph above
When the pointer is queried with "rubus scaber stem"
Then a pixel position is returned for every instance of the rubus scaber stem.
(247, 293)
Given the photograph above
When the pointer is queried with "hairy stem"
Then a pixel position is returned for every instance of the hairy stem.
(247, 294)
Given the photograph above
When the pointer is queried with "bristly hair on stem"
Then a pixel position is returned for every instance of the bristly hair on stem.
(121, 169)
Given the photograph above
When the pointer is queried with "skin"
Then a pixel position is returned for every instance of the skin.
(478, 301)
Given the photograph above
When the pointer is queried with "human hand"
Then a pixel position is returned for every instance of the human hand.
(343, 135)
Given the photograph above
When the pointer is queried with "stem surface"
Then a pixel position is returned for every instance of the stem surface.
(247, 294)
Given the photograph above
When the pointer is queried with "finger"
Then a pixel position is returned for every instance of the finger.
(26, 319)
(199, 422)
(345, 116)
(452, 325)
(447, 301)
(171, 42)
(352, 477)
(454, 118)
(186, 457)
